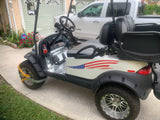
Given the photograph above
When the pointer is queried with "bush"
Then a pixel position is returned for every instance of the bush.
(17, 39)
(27, 41)
(7, 33)
(1, 33)
(150, 9)
(14, 37)
(20, 42)
(11, 36)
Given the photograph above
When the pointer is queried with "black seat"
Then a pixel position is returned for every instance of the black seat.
(137, 45)
(87, 49)
(123, 25)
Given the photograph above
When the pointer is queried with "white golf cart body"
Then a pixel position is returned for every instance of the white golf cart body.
(119, 63)
(91, 69)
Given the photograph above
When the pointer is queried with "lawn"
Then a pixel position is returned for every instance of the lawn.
(15, 106)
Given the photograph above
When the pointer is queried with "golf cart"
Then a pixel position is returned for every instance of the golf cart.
(119, 68)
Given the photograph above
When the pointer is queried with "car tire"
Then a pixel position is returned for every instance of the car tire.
(27, 68)
(116, 103)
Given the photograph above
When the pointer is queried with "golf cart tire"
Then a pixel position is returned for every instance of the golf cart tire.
(27, 65)
(131, 99)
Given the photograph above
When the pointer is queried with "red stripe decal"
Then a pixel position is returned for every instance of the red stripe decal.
(104, 63)
(131, 71)
(99, 61)
(99, 66)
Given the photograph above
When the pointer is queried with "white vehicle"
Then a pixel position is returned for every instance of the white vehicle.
(89, 21)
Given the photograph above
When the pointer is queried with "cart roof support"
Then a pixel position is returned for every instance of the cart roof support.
(35, 25)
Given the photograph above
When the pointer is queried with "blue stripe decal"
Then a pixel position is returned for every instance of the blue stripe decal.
(77, 67)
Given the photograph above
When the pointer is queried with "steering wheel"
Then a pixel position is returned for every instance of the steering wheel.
(67, 23)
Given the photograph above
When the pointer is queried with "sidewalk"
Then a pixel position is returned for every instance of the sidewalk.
(64, 98)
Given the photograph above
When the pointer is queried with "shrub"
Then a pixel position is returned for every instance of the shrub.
(14, 37)
(7, 33)
(150, 9)
(20, 42)
(27, 41)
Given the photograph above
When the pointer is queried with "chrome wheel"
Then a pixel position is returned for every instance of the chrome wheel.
(115, 106)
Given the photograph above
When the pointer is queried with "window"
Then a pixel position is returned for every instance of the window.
(141, 7)
(145, 10)
(119, 9)
(93, 10)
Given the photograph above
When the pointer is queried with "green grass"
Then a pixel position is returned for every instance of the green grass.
(14, 106)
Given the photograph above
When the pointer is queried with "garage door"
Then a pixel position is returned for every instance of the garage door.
(47, 11)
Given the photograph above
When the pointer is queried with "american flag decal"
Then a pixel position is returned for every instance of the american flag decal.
(101, 64)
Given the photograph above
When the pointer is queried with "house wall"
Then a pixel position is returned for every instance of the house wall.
(15, 15)
(47, 12)
(4, 21)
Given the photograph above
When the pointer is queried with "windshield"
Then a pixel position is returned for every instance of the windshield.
(93, 10)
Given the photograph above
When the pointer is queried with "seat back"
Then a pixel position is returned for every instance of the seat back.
(141, 46)
(106, 34)
(123, 25)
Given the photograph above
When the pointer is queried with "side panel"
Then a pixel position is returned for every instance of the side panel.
(92, 68)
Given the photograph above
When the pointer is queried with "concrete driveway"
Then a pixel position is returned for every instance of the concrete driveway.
(64, 98)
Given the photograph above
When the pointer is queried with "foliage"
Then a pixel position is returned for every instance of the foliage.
(1, 33)
(27, 41)
(11, 36)
(15, 38)
(7, 33)
(150, 9)
(14, 106)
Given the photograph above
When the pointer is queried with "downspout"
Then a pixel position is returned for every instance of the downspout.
(21, 13)
(15, 26)
(9, 16)
(65, 8)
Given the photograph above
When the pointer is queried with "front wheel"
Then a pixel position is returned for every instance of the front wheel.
(27, 68)
(116, 103)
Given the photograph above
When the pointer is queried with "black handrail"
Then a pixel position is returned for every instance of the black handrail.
(112, 8)
(125, 11)
(35, 25)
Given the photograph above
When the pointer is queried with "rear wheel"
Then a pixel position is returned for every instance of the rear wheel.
(27, 68)
(116, 103)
